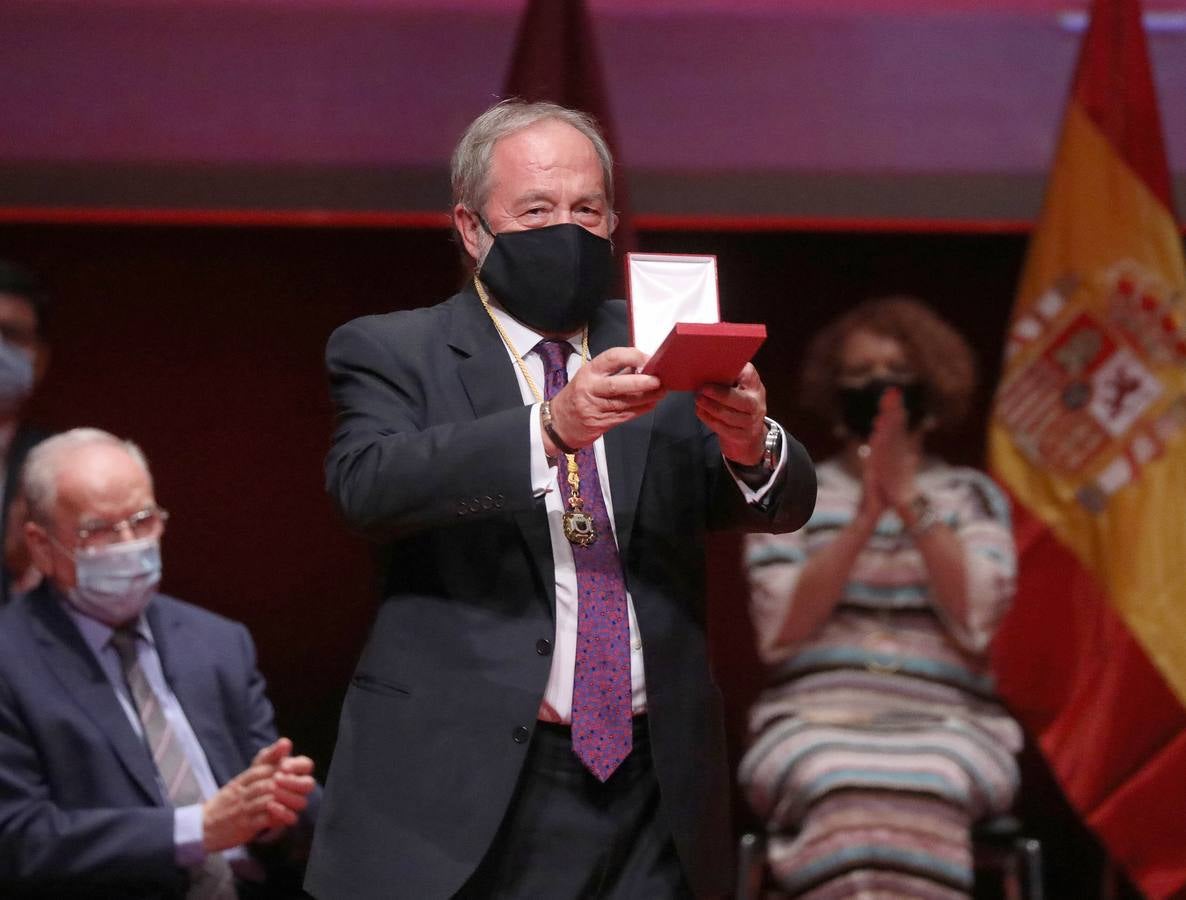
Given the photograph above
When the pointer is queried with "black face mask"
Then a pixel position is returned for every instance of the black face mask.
(551, 279)
(859, 405)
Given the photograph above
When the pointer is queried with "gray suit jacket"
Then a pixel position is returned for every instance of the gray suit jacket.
(431, 456)
(80, 811)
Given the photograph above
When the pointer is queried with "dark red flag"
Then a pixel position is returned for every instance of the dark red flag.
(556, 59)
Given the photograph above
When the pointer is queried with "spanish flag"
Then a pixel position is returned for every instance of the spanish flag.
(1088, 434)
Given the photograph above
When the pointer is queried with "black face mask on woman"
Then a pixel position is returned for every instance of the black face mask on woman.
(859, 405)
(551, 279)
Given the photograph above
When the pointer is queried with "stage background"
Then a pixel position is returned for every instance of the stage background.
(856, 110)
(205, 345)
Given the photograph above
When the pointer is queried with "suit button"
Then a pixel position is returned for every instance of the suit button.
(543, 647)
(475, 505)
(520, 734)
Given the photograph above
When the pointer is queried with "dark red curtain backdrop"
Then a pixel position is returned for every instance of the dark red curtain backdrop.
(205, 345)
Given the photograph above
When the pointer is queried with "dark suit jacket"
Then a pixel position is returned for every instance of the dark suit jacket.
(80, 811)
(431, 454)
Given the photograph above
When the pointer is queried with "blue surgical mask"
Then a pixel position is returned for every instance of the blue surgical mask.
(116, 582)
(16, 377)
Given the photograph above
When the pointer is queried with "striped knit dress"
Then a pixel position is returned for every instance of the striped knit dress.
(878, 740)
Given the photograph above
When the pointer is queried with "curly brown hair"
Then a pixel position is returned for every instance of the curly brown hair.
(940, 354)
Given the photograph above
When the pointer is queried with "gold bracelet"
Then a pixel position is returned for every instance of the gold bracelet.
(545, 421)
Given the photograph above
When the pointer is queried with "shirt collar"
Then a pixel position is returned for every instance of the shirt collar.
(98, 634)
(522, 338)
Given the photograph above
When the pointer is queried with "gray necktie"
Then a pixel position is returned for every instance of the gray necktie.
(212, 880)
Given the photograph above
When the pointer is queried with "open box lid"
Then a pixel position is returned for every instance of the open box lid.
(675, 318)
(666, 288)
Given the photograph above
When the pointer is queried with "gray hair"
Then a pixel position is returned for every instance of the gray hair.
(471, 156)
(39, 477)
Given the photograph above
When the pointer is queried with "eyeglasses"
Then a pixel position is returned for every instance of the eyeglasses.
(148, 522)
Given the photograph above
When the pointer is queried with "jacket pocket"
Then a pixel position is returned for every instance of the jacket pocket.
(375, 685)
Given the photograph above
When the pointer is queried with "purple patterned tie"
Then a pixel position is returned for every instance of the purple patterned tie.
(601, 726)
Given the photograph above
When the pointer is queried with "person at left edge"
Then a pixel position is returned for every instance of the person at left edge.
(96, 668)
(470, 760)
(24, 361)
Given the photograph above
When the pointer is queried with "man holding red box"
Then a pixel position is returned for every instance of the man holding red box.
(533, 715)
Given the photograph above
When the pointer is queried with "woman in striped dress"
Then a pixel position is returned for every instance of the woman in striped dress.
(878, 741)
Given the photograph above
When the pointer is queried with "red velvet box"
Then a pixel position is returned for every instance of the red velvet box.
(675, 317)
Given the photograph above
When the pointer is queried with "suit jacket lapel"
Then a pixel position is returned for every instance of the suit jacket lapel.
(484, 367)
(491, 386)
(188, 673)
(73, 664)
(625, 445)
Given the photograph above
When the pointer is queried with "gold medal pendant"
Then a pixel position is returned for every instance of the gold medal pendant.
(578, 524)
(579, 528)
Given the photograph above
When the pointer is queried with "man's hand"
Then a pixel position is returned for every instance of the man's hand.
(294, 782)
(606, 391)
(268, 794)
(737, 415)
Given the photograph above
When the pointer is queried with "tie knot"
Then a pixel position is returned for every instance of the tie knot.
(123, 639)
(554, 355)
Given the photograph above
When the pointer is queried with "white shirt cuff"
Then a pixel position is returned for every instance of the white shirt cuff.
(188, 849)
(543, 474)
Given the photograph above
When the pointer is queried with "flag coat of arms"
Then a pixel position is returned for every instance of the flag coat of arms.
(1088, 435)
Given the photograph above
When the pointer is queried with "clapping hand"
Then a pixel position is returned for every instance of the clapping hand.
(269, 794)
(892, 460)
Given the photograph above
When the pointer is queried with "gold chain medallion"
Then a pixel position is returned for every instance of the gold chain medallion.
(578, 524)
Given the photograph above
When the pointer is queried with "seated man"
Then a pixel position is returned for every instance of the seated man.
(138, 757)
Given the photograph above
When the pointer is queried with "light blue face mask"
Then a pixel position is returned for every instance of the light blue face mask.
(16, 377)
(115, 583)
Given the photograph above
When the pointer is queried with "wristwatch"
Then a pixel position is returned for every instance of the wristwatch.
(545, 421)
(772, 450)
